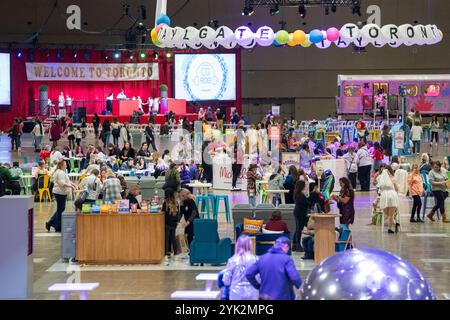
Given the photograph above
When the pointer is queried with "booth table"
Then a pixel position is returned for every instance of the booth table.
(125, 107)
(120, 238)
(324, 236)
(200, 188)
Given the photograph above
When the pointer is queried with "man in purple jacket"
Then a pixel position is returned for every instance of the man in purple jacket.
(277, 272)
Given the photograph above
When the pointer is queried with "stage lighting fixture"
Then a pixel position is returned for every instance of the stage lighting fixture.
(302, 10)
(356, 8)
(333, 8)
(130, 55)
(47, 54)
(116, 55)
(143, 55)
(155, 55)
(87, 55)
(19, 53)
(168, 55)
(248, 9)
(75, 54)
(274, 10)
(59, 55)
(105, 56)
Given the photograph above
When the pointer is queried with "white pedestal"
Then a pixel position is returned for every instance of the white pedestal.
(16, 247)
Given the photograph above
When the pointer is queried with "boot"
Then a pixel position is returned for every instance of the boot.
(444, 218)
(431, 215)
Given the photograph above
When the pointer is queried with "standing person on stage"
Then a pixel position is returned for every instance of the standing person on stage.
(62, 186)
(51, 108)
(69, 101)
(150, 137)
(364, 161)
(115, 130)
(61, 100)
(109, 103)
(139, 100)
(38, 133)
(277, 272)
(121, 95)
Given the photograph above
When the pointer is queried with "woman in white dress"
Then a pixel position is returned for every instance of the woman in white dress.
(389, 201)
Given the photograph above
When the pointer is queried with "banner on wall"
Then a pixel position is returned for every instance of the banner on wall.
(92, 71)
(290, 159)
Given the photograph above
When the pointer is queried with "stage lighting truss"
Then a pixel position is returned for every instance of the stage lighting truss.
(251, 5)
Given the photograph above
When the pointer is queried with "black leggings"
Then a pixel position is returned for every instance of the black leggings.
(434, 135)
(171, 242)
(352, 178)
(417, 205)
(440, 201)
(364, 177)
(236, 171)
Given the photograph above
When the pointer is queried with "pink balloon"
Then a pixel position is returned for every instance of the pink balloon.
(333, 34)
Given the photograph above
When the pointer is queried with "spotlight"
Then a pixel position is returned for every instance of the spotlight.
(59, 55)
(47, 54)
(274, 10)
(327, 11)
(19, 53)
(155, 55)
(302, 10)
(105, 55)
(87, 55)
(168, 55)
(75, 54)
(248, 9)
(130, 55)
(333, 8)
(143, 55)
(116, 55)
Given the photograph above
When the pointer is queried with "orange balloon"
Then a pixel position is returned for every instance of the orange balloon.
(299, 36)
(292, 42)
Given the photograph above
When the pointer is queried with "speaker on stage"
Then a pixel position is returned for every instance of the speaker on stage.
(78, 114)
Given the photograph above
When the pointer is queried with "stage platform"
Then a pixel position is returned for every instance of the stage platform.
(159, 118)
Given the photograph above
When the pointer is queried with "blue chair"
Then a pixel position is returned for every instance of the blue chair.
(264, 241)
(204, 208)
(345, 240)
(206, 246)
(217, 205)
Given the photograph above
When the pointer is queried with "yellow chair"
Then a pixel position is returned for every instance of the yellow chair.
(45, 187)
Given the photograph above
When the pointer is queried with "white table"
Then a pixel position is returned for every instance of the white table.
(65, 289)
(210, 278)
(271, 193)
(195, 295)
(200, 188)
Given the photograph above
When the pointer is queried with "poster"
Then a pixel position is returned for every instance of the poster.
(399, 140)
(223, 173)
(274, 133)
(290, 159)
(276, 110)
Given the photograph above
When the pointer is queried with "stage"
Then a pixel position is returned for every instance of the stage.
(159, 118)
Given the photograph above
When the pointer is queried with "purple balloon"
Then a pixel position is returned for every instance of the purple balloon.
(366, 274)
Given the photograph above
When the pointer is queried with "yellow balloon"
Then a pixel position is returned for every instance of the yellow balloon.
(292, 42)
(306, 44)
(442, 34)
(154, 34)
(299, 36)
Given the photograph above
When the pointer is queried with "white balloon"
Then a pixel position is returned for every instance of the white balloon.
(350, 31)
(229, 45)
(177, 38)
(224, 34)
(379, 43)
(422, 34)
(324, 44)
(207, 36)
(265, 36)
(252, 44)
(390, 33)
(371, 32)
(395, 44)
(191, 38)
(341, 43)
(164, 35)
(407, 34)
(244, 36)
(361, 42)
(433, 34)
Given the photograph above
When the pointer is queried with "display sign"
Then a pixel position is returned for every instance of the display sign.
(276, 110)
(223, 173)
(5, 79)
(275, 133)
(205, 77)
(124, 206)
(399, 140)
(290, 159)
(49, 71)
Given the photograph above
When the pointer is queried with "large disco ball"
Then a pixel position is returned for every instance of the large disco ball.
(366, 274)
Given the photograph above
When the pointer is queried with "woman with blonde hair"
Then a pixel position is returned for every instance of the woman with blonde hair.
(234, 274)
(415, 185)
(189, 211)
(389, 202)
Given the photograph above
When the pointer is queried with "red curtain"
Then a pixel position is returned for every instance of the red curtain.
(91, 92)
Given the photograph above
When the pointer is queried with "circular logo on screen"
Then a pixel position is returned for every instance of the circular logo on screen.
(205, 77)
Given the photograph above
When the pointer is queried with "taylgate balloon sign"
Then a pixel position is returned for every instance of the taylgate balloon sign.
(391, 35)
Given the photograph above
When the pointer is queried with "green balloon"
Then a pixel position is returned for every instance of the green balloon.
(282, 37)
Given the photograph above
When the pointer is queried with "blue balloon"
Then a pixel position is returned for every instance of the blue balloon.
(366, 274)
(163, 19)
(316, 36)
(276, 44)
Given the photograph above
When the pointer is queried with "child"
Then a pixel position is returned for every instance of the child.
(78, 136)
(251, 184)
